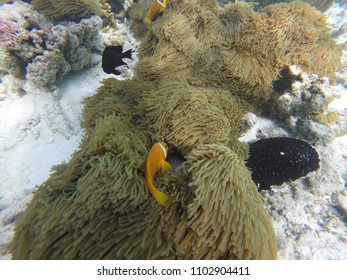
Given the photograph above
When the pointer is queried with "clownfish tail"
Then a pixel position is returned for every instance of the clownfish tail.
(147, 20)
(159, 196)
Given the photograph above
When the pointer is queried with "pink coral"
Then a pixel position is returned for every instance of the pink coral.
(7, 31)
(30, 41)
(23, 32)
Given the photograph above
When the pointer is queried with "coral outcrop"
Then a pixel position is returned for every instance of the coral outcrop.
(201, 69)
(42, 53)
(303, 108)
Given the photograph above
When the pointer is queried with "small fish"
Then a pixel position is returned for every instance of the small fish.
(112, 57)
(156, 9)
(156, 161)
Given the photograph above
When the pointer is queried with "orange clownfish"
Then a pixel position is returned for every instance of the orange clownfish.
(158, 6)
(156, 161)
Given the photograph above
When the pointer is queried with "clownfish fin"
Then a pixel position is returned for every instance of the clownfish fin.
(147, 20)
(159, 196)
(165, 167)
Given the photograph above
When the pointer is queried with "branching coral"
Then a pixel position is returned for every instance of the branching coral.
(22, 36)
(43, 53)
(70, 48)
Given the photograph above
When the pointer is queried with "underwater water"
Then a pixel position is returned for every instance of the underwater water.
(53, 107)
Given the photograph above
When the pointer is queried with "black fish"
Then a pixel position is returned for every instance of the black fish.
(112, 57)
(277, 160)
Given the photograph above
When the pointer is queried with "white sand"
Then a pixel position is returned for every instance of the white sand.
(37, 131)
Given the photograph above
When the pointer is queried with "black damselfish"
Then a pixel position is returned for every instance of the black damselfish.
(112, 57)
(277, 160)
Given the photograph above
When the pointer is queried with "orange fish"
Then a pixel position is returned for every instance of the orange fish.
(156, 161)
(156, 9)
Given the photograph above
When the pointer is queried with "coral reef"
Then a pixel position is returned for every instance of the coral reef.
(117, 5)
(303, 108)
(201, 69)
(42, 53)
